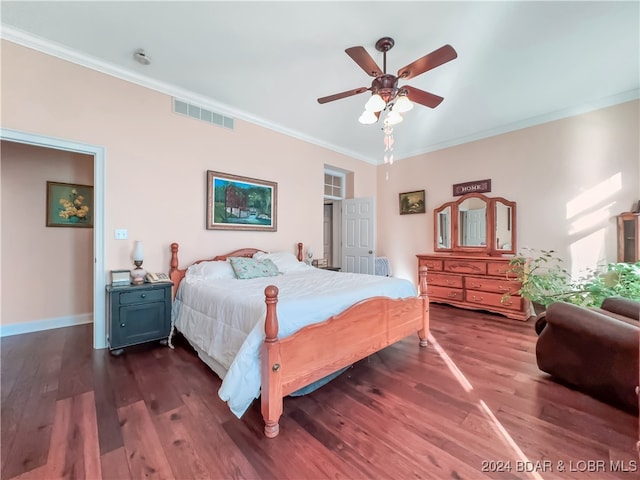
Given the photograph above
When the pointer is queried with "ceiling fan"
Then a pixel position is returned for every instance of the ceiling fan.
(386, 85)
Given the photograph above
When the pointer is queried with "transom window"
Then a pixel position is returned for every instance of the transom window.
(334, 185)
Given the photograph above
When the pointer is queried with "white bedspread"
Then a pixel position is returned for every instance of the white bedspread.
(225, 318)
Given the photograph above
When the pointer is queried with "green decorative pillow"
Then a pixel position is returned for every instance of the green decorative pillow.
(246, 268)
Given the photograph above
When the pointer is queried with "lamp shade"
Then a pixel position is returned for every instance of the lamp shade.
(403, 104)
(368, 117)
(393, 118)
(138, 252)
(375, 103)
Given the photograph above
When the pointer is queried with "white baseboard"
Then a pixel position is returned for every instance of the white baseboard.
(47, 324)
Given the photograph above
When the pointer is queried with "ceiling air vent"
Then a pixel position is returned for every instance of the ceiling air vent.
(194, 111)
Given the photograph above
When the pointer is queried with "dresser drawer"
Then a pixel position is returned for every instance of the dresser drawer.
(454, 281)
(464, 266)
(513, 302)
(433, 265)
(446, 293)
(127, 298)
(500, 269)
(486, 284)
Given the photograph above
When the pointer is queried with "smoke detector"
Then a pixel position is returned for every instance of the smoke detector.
(141, 57)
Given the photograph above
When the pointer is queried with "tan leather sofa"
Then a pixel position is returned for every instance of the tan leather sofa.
(594, 350)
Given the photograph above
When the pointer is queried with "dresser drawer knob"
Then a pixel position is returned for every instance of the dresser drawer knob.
(143, 295)
(122, 324)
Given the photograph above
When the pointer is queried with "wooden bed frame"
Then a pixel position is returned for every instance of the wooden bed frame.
(315, 351)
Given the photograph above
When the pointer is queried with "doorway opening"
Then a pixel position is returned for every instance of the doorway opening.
(99, 274)
(335, 183)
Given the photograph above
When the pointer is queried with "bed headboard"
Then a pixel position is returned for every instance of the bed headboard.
(176, 274)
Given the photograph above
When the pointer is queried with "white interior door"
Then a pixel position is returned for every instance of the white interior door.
(475, 227)
(358, 235)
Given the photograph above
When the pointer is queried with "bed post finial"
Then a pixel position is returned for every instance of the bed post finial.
(174, 256)
(271, 363)
(300, 251)
(422, 280)
(271, 322)
(423, 334)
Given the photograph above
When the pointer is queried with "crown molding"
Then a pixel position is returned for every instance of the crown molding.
(605, 102)
(70, 55)
(60, 51)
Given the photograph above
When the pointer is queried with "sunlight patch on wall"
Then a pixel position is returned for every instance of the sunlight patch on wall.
(588, 252)
(594, 196)
(590, 220)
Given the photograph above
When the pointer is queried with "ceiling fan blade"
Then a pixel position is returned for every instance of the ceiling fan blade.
(338, 96)
(434, 59)
(423, 98)
(362, 58)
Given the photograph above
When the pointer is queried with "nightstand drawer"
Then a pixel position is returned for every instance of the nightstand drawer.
(127, 298)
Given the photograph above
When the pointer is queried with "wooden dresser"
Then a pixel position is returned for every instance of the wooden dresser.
(474, 282)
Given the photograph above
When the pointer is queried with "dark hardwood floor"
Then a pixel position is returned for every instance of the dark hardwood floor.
(471, 405)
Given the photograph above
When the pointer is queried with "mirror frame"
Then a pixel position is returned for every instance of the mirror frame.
(491, 247)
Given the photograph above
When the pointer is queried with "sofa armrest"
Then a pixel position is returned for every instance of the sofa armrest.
(541, 322)
(584, 322)
(622, 306)
(592, 351)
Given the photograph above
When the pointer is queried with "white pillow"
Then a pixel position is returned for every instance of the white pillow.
(213, 270)
(285, 261)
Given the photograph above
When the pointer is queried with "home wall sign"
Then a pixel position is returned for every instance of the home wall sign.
(478, 186)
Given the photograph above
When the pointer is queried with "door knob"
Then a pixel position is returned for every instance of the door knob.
(370, 252)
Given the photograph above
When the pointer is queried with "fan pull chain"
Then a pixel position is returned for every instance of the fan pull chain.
(388, 144)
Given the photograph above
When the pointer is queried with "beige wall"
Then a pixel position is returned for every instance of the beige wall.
(47, 272)
(569, 179)
(156, 162)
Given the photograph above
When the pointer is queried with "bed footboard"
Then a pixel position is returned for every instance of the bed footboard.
(320, 349)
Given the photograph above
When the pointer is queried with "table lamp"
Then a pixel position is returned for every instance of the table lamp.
(137, 275)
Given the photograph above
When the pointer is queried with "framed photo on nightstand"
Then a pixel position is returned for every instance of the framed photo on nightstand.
(120, 277)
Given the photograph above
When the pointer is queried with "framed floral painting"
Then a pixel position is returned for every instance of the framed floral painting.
(69, 205)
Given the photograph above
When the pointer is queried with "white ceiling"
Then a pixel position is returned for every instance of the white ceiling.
(519, 63)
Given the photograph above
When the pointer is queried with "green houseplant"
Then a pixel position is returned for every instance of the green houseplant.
(615, 280)
(545, 280)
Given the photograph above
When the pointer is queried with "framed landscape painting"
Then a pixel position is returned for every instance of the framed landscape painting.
(69, 205)
(241, 203)
(412, 202)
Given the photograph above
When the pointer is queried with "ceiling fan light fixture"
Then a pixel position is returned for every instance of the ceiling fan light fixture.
(375, 104)
(393, 118)
(368, 117)
(402, 104)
